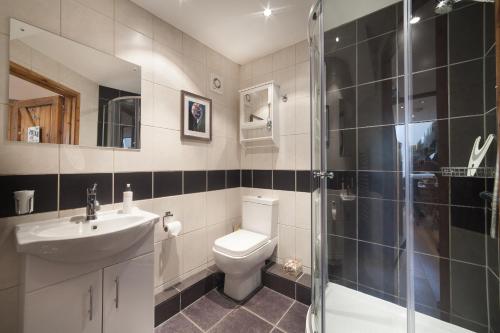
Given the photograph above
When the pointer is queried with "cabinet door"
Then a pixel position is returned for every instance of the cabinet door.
(128, 296)
(70, 306)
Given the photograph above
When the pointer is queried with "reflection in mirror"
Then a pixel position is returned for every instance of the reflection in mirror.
(63, 92)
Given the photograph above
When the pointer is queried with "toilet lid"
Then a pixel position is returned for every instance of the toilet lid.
(240, 243)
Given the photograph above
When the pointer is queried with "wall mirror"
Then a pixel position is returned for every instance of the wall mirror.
(62, 92)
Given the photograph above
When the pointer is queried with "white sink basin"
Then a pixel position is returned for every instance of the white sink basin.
(73, 239)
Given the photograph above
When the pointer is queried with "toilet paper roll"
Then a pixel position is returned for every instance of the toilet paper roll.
(173, 228)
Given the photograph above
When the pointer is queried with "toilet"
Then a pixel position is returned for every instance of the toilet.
(241, 254)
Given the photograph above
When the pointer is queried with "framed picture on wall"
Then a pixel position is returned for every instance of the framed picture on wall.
(196, 117)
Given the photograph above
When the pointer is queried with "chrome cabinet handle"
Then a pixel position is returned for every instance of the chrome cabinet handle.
(91, 299)
(117, 286)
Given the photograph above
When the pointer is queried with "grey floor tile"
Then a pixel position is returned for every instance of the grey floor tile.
(242, 321)
(177, 324)
(295, 319)
(209, 309)
(277, 330)
(269, 304)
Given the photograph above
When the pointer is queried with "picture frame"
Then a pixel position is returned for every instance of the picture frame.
(196, 117)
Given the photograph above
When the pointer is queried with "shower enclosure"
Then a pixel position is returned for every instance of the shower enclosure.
(404, 161)
(120, 124)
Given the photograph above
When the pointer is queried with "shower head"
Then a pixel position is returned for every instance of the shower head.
(444, 7)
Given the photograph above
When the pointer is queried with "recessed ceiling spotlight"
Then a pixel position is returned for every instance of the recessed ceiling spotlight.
(415, 19)
(337, 39)
(267, 12)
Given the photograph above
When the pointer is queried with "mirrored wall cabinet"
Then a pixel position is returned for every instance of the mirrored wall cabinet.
(259, 116)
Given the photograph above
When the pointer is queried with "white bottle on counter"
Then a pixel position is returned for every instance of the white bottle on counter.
(127, 200)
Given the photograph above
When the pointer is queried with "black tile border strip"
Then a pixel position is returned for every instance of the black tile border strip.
(297, 288)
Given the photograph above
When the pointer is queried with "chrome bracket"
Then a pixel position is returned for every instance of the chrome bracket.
(322, 175)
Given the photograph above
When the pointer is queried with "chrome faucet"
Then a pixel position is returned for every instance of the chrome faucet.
(92, 203)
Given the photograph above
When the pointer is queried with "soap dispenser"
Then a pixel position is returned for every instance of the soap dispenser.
(127, 200)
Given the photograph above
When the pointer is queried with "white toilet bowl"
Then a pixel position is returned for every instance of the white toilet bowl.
(241, 255)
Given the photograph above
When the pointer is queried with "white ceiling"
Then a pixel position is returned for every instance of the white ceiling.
(236, 28)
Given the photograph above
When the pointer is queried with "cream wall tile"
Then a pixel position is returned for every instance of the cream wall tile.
(303, 210)
(284, 58)
(23, 158)
(286, 244)
(147, 102)
(233, 148)
(214, 232)
(193, 49)
(173, 204)
(195, 77)
(302, 80)
(166, 108)
(136, 48)
(219, 120)
(4, 17)
(194, 155)
(46, 16)
(302, 115)
(216, 207)
(82, 210)
(217, 154)
(135, 17)
(284, 156)
(302, 152)
(232, 122)
(194, 250)
(126, 160)
(195, 211)
(87, 26)
(167, 152)
(215, 61)
(168, 67)
(9, 309)
(233, 203)
(167, 34)
(262, 158)
(262, 79)
(102, 6)
(168, 259)
(301, 52)
(4, 69)
(286, 207)
(146, 205)
(79, 159)
(246, 72)
(303, 246)
(262, 66)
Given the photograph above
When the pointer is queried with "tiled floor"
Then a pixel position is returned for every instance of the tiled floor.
(266, 311)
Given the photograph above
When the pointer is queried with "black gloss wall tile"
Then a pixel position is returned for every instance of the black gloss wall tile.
(377, 103)
(468, 234)
(340, 37)
(494, 302)
(465, 191)
(140, 182)
(167, 309)
(341, 68)
(426, 285)
(431, 187)
(463, 133)
(303, 181)
(377, 58)
(342, 258)
(341, 152)
(378, 221)
(466, 88)
(216, 180)
(468, 292)
(466, 33)
(73, 189)
(490, 81)
(430, 95)
(492, 247)
(342, 215)
(246, 178)
(489, 26)
(45, 187)
(377, 23)
(195, 181)
(431, 225)
(378, 267)
(377, 148)
(263, 179)
(342, 108)
(429, 41)
(429, 141)
(233, 178)
(382, 185)
(167, 183)
(284, 180)
(343, 180)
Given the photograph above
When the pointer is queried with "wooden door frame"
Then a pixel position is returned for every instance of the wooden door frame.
(70, 120)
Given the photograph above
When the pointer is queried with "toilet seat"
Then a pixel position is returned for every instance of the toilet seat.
(240, 243)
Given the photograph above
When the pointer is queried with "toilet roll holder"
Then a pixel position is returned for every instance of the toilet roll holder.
(165, 218)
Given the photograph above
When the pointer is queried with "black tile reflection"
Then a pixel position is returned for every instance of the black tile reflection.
(342, 259)
(378, 221)
(341, 153)
(140, 182)
(45, 187)
(216, 180)
(430, 95)
(341, 68)
(377, 23)
(195, 181)
(340, 37)
(463, 133)
(465, 191)
(494, 302)
(432, 282)
(429, 43)
(167, 183)
(468, 234)
(246, 178)
(466, 88)
(423, 9)
(468, 324)
(466, 33)
(233, 178)
(303, 181)
(377, 148)
(341, 214)
(489, 26)
(468, 292)
(382, 185)
(377, 103)
(73, 189)
(378, 267)
(429, 141)
(490, 80)
(343, 180)
(492, 246)
(377, 58)
(431, 187)
(342, 108)
(263, 179)
(284, 180)
(431, 229)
